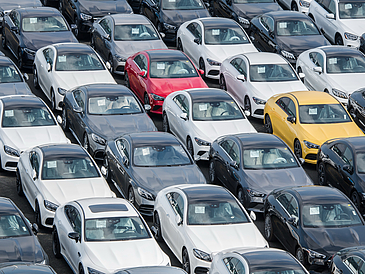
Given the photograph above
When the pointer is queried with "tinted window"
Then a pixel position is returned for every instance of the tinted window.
(136, 32)
(27, 117)
(44, 24)
(239, 65)
(177, 203)
(79, 98)
(113, 105)
(360, 162)
(234, 265)
(323, 114)
(272, 73)
(74, 218)
(296, 28)
(12, 226)
(317, 59)
(225, 35)
(123, 147)
(106, 26)
(182, 102)
(141, 62)
(214, 111)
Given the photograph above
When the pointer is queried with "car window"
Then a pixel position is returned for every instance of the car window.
(34, 161)
(226, 145)
(79, 98)
(15, 17)
(52, 23)
(344, 153)
(232, 149)
(48, 55)
(106, 26)
(191, 27)
(198, 31)
(12, 226)
(267, 22)
(123, 147)
(355, 264)
(332, 7)
(141, 62)
(317, 59)
(182, 102)
(287, 105)
(234, 265)
(239, 65)
(176, 202)
(290, 204)
(73, 217)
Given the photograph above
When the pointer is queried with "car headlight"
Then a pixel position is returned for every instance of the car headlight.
(120, 58)
(315, 254)
(94, 271)
(201, 142)
(339, 93)
(61, 91)
(213, 63)
(287, 54)
(11, 151)
(98, 139)
(258, 101)
(310, 145)
(350, 36)
(255, 193)
(85, 16)
(304, 4)
(168, 26)
(145, 194)
(202, 255)
(50, 206)
(157, 97)
(243, 21)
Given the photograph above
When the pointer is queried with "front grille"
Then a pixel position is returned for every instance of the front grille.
(201, 270)
(201, 153)
(213, 72)
(11, 164)
(99, 154)
(311, 156)
(259, 112)
(155, 108)
(49, 221)
(120, 68)
(146, 209)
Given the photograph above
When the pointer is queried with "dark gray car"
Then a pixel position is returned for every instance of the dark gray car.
(25, 268)
(142, 164)
(99, 112)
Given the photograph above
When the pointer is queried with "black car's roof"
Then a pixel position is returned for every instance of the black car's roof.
(25, 268)
(202, 193)
(5, 61)
(356, 250)
(269, 259)
(208, 94)
(7, 207)
(319, 194)
(166, 55)
(17, 102)
(37, 11)
(60, 151)
(287, 15)
(152, 138)
(93, 90)
(337, 50)
(258, 140)
(73, 48)
(218, 22)
(356, 142)
(351, 1)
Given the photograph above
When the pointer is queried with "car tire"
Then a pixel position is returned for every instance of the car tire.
(322, 176)
(81, 269)
(56, 246)
(299, 254)
(146, 99)
(37, 215)
(268, 231)
(157, 226)
(202, 66)
(60, 6)
(355, 198)
(212, 173)
(20, 59)
(64, 123)
(211, 9)
(106, 166)
(185, 260)
(241, 196)
(268, 124)
(311, 17)
(190, 147)
(86, 143)
(247, 105)
(92, 41)
(3, 41)
(352, 112)
(165, 123)
(294, 6)
(297, 149)
(77, 29)
(339, 40)
(131, 197)
(111, 62)
(53, 100)
(222, 83)
(19, 186)
(35, 77)
(179, 45)
(126, 80)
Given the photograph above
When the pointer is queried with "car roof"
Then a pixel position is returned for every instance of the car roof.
(196, 193)
(256, 58)
(65, 48)
(286, 14)
(60, 151)
(356, 142)
(124, 19)
(18, 101)
(335, 50)
(5, 61)
(37, 11)
(7, 207)
(210, 22)
(258, 140)
(152, 138)
(165, 55)
(320, 194)
(96, 90)
(313, 97)
(24, 268)
(204, 94)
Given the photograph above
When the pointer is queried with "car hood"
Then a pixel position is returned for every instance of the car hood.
(102, 8)
(37, 40)
(268, 89)
(124, 254)
(71, 79)
(112, 126)
(347, 82)
(267, 180)
(164, 86)
(155, 179)
(63, 191)
(250, 10)
(221, 52)
(177, 17)
(215, 238)
(18, 249)
(7, 6)
(128, 48)
(355, 25)
(298, 44)
(20, 88)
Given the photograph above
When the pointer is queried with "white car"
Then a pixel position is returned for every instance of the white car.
(296, 5)
(197, 221)
(60, 67)
(199, 116)
(208, 41)
(104, 236)
(51, 175)
(26, 122)
(342, 22)
(336, 70)
(252, 78)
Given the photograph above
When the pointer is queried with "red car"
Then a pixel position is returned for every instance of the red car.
(154, 74)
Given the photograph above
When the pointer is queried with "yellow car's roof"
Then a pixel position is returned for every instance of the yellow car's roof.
(313, 97)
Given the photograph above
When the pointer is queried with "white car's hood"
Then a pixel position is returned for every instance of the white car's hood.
(71, 79)
(63, 191)
(215, 238)
(23, 138)
(354, 26)
(267, 89)
(220, 53)
(124, 254)
(347, 82)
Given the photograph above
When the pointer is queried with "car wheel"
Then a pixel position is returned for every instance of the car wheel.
(53, 100)
(212, 10)
(56, 247)
(146, 99)
(157, 226)
(86, 143)
(322, 177)
(222, 83)
(268, 124)
(64, 123)
(60, 6)
(241, 196)
(110, 60)
(212, 173)
(37, 213)
(352, 112)
(165, 123)
(189, 146)
(311, 17)
(185, 261)
(248, 105)
(294, 6)
(19, 186)
(92, 41)
(126, 80)
(20, 59)
(299, 254)
(338, 40)
(299, 70)
(3, 41)
(202, 66)
(106, 166)
(81, 269)
(140, 10)
(268, 228)
(76, 30)
(131, 197)
(179, 45)
(297, 149)
(355, 198)
(35, 77)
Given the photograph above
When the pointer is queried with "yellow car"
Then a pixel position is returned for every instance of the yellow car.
(306, 119)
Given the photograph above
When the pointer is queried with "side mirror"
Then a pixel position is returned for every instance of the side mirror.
(292, 221)
(184, 116)
(26, 77)
(241, 77)
(162, 34)
(178, 220)
(317, 69)
(59, 119)
(49, 67)
(142, 73)
(35, 228)
(271, 33)
(301, 161)
(74, 236)
(61, 104)
(347, 168)
(147, 107)
(34, 175)
(247, 112)
(201, 71)
(291, 119)
(197, 41)
(330, 16)
(106, 36)
(108, 65)
(77, 109)
(233, 164)
(253, 216)
(301, 76)
(15, 29)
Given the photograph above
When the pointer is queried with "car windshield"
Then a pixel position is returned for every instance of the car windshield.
(44, 24)
(13, 226)
(330, 215)
(351, 10)
(360, 162)
(296, 28)
(9, 74)
(69, 168)
(182, 4)
(268, 158)
(137, 32)
(346, 64)
(114, 105)
(216, 110)
(211, 212)
(160, 155)
(172, 69)
(323, 114)
(115, 229)
(27, 117)
(272, 73)
(78, 62)
(225, 36)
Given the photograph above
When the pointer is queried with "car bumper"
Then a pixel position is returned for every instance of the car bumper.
(97, 150)
(118, 66)
(28, 59)
(156, 106)
(9, 162)
(257, 110)
(170, 35)
(47, 217)
(352, 43)
(211, 72)
(198, 266)
(58, 98)
(144, 206)
(309, 154)
(200, 152)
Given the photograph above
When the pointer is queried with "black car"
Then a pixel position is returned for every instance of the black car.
(6, 6)
(25, 268)
(313, 222)
(253, 164)
(341, 164)
(168, 15)
(18, 240)
(99, 112)
(26, 30)
(349, 261)
(288, 33)
(141, 164)
(83, 13)
(242, 11)
(356, 107)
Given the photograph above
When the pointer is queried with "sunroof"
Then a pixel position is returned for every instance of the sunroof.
(107, 208)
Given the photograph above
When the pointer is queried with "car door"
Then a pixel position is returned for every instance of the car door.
(193, 31)
(103, 38)
(326, 25)
(237, 88)
(224, 8)
(12, 31)
(122, 168)
(45, 76)
(265, 33)
(137, 82)
(314, 79)
(179, 126)
(151, 10)
(33, 176)
(77, 121)
(70, 10)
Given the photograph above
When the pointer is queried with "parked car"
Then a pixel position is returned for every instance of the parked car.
(116, 37)
(25, 30)
(252, 78)
(287, 33)
(307, 119)
(6, 6)
(199, 116)
(25, 268)
(142, 164)
(313, 222)
(101, 112)
(349, 260)
(104, 235)
(251, 165)
(51, 175)
(209, 41)
(197, 221)
(153, 74)
(18, 240)
(356, 107)
(296, 5)
(26, 122)
(336, 70)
